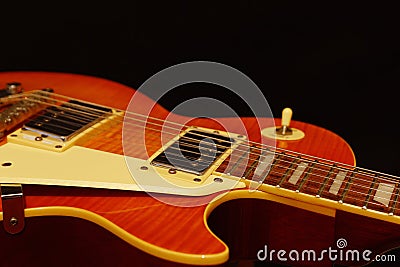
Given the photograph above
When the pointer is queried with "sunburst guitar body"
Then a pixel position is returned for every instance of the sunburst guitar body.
(69, 197)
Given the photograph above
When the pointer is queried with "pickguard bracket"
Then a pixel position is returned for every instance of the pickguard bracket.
(12, 200)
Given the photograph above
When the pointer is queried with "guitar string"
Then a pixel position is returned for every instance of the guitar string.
(170, 127)
(175, 128)
(120, 121)
(348, 197)
(96, 110)
(318, 186)
(321, 184)
(163, 121)
(135, 114)
(310, 172)
(185, 126)
(255, 167)
(328, 177)
(146, 122)
(251, 142)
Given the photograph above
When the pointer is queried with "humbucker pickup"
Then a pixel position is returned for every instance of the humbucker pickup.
(65, 121)
(58, 127)
(196, 150)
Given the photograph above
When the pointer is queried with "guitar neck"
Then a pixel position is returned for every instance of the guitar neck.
(319, 178)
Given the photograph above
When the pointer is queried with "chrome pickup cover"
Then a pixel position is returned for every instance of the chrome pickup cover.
(194, 151)
(67, 120)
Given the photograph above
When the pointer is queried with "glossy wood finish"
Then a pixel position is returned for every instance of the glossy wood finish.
(151, 224)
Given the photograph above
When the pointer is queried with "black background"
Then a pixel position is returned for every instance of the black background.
(336, 66)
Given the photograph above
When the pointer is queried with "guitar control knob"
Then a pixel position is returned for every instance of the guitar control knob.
(14, 88)
(11, 89)
(284, 132)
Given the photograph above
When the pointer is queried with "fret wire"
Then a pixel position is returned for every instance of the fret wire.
(371, 189)
(287, 171)
(310, 169)
(348, 185)
(326, 179)
(395, 200)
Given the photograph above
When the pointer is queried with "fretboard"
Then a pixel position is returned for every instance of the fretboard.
(317, 177)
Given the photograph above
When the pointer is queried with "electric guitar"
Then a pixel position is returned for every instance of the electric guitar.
(86, 181)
